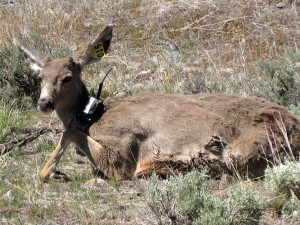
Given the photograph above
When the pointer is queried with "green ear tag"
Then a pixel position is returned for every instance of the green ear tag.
(98, 51)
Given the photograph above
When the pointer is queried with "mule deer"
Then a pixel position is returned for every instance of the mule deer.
(164, 133)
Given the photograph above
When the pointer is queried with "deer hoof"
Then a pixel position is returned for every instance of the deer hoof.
(55, 175)
(59, 176)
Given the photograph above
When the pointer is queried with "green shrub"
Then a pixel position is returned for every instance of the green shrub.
(188, 200)
(282, 178)
(17, 80)
(291, 209)
(279, 80)
(161, 200)
(244, 207)
(280, 182)
(295, 110)
(215, 212)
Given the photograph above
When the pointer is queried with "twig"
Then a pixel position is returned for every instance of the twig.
(22, 140)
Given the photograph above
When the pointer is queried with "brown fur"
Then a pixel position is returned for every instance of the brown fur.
(171, 133)
(165, 133)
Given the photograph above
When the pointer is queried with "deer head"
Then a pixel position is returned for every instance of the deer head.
(60, 78)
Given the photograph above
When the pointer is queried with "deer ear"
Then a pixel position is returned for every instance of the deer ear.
(95, 50)
(35, 59)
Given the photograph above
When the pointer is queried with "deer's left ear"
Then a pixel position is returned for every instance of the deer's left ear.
(35, 59)
(95, 50)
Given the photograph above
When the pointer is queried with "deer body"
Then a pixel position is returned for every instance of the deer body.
(172, 133)
(158, 132)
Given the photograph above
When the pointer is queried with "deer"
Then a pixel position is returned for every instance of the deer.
(167, 134)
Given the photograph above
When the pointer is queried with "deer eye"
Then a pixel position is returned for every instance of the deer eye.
(67, 79)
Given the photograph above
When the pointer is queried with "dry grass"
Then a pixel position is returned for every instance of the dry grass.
(84, 200)
(219, 41)
(159, 45)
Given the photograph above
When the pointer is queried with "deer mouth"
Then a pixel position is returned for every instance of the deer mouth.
(46, 106)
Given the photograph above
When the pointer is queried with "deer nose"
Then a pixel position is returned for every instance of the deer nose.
(45, 105)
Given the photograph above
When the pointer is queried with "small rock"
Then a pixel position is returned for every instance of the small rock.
(121, 93)
(145, 75)
(225, 181)
(99, 183)
(283, 4)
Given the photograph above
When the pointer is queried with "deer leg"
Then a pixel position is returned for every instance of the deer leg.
(100, 158)
(246, 155)
(111, 163)
(49, 169)
(77, 137)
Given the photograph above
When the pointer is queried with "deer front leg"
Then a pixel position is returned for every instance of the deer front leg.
(49, 169)
(110, 162)
(92, 149)
(75, 136)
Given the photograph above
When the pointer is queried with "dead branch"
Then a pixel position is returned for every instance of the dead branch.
(15, 140)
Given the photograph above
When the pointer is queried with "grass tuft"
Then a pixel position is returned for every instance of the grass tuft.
(12, 119)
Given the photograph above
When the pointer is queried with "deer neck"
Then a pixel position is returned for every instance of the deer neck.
(68, 114)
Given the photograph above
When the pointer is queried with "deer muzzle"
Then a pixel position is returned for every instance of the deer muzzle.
(45, 105)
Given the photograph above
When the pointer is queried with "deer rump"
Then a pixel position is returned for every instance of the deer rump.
(170, 134)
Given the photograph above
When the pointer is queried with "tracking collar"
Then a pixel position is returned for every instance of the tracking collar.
(92, 112)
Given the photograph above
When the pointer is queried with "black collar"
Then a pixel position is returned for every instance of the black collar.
(92, 112)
